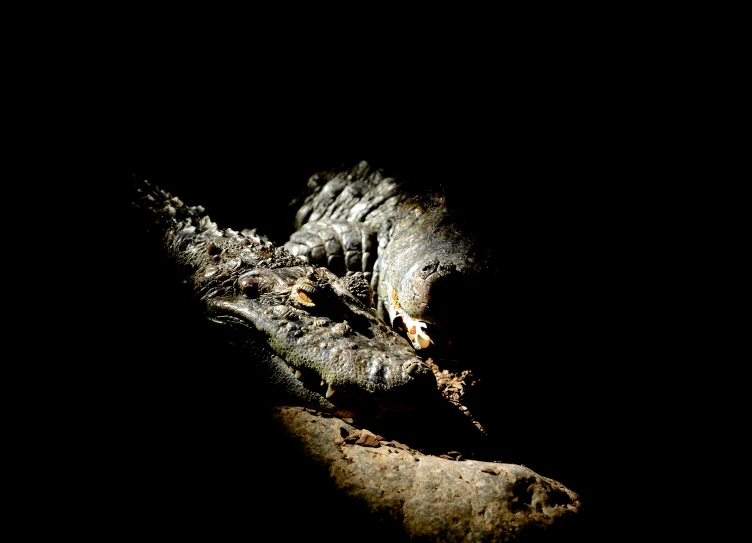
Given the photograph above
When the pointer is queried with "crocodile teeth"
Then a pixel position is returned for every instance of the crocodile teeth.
(298, 374)
(423, 340)
(415, 331)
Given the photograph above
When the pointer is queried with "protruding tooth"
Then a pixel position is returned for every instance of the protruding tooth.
(329, 391)
(415, 332)
(423, 340)
(297, 374)
(322, 383)
(292, 370)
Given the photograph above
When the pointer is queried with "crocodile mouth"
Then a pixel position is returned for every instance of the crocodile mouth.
(418, 332)
(309, 379)
(415, 330)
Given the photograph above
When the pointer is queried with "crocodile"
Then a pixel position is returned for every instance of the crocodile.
(334, 335)
(423, 261)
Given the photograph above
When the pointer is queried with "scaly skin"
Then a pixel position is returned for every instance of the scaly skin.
(425, 267)
(316, 337)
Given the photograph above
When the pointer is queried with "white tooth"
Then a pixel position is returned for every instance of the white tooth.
(322, 383)
(292, 370)
(424, 341)
(297, 374)
(329, 391)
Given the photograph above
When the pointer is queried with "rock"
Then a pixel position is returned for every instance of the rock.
(428, 498)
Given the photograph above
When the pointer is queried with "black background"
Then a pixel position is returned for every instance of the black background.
(543, 171)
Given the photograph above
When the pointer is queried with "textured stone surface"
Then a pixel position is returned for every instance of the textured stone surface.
(430, 498)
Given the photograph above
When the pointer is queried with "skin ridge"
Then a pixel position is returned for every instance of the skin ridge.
(244, 282)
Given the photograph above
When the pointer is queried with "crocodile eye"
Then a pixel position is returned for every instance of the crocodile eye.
(300, 295)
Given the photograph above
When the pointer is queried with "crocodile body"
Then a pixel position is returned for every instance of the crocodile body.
(315, 336)
(422, 262)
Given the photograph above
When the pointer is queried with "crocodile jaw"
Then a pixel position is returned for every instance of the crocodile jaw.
(415, 329)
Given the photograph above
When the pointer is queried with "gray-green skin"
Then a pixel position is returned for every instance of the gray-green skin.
(250, 286)
(422, 263)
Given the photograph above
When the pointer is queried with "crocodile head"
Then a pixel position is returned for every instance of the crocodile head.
(434, 279)
(329, 347)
